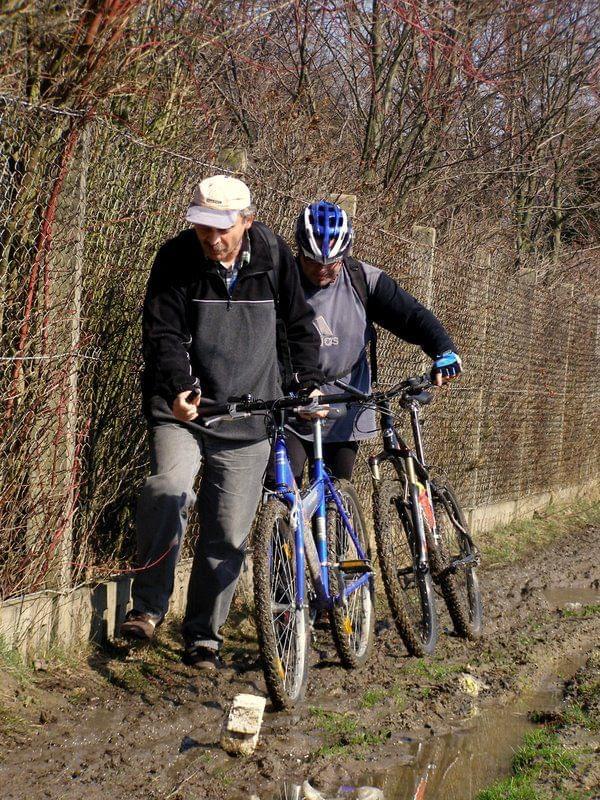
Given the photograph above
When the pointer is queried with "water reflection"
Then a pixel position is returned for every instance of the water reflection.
(452, 766)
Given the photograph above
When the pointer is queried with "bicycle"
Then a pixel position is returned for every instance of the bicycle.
(421, 532)
(337, 555)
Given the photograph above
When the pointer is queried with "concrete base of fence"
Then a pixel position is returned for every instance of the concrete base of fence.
(31, 623)
(484, 518)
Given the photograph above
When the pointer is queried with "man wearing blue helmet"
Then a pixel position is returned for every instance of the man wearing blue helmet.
(348, 297)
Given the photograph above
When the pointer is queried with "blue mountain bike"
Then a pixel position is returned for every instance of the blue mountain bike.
(310, 555)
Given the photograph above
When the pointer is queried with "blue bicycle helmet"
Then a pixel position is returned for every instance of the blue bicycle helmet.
(323, 232)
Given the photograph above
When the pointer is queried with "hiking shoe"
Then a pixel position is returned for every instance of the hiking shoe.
(203, 658)
(139, 625)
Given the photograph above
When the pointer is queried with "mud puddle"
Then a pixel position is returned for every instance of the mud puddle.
(459, 764)
(143, 726)
(571, 597)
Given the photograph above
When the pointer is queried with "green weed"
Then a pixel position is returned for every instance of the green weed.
(515, 788)
(434, 670)
(10, 722)
(78, 696)
(399, 697)
(509, 543)
(13, 664)
(582, 613)
(372, 697)
(542, 750)
(341, 731)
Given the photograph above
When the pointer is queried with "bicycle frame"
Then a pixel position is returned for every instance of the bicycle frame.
(416, 473)
(310, 505)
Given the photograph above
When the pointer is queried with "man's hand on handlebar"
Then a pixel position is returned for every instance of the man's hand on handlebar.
(185, 405)
(308, 414)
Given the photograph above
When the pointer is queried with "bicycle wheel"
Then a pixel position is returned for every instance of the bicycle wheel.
(409, 590)
(456, 572)
(283, 629)
(353, 621)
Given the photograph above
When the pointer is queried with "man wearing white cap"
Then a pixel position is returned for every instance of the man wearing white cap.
(215, 296)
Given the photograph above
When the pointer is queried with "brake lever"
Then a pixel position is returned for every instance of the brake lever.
(310, 408)
(232, 416)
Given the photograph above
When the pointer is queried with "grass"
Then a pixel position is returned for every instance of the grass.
(433, 670)
(10, 722)
(510, 543)
(78, 696)
(544, 764)
(342, 731)
(541, 752)
(585, 612)
(13, 664)
(400, 697)
(583, 708)
(373, 697)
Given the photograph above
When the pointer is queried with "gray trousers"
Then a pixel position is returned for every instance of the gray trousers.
(230, 490)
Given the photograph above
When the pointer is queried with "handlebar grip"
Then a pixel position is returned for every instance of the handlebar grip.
(351, 390)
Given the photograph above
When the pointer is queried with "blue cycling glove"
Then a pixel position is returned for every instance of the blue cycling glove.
(448, 365)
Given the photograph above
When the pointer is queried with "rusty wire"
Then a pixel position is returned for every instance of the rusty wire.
(84, 207)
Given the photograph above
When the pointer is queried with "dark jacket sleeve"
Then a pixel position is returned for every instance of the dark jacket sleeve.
(303, 338)
(165, 334)
(400, 313)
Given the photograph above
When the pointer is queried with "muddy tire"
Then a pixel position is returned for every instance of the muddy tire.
(458, 582)
(409, 591)
(283, 629)
(352, 624)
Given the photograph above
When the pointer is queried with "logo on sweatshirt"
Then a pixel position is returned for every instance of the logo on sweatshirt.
(327, 336)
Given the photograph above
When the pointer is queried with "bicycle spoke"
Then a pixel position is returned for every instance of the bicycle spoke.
(282, 627)
(353, 621)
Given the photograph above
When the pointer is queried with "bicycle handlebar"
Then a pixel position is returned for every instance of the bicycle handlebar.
(410, 386)
(239, 408)
(248, 405)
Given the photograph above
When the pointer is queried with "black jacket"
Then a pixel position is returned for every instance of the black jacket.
(196, 334)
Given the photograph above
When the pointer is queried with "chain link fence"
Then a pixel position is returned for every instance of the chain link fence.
(84, 207)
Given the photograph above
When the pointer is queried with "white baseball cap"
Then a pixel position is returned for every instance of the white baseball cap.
(217, 201)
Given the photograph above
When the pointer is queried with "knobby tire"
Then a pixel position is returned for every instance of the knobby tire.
(283, 629)
(459, 583)
(409, 591)
(353, 623)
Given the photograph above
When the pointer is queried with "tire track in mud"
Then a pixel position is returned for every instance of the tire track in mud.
(145, 726)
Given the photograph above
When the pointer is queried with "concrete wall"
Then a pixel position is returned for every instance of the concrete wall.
(31, 623)
(484, 518)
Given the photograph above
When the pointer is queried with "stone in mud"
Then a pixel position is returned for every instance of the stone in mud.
(310, 793)
(369, 793)
(470, 685)
(362, 793)
(242, 726)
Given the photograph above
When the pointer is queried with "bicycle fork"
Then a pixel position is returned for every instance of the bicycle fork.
(418, 505)
(416, 511)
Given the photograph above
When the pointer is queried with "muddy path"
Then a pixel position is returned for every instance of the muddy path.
(139, 724)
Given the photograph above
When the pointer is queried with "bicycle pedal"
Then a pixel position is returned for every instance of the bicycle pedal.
(354, 566)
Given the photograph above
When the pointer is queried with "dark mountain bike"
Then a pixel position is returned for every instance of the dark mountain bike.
(421, 532)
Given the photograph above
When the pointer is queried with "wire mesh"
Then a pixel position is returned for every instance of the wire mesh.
(84, 207)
